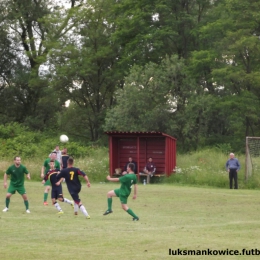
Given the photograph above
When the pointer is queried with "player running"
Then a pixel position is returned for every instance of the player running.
(45, 169)
(56, 188)
(71, 175)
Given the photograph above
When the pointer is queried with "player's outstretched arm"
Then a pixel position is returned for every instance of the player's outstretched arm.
(112, 179)
(5, 180)
(28, 176)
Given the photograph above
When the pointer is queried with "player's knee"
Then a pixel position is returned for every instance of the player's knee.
(124, 207)
(110, 194)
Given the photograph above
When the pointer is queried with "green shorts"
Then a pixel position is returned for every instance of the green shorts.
(20, 189)
(123, 199)
(47, 183)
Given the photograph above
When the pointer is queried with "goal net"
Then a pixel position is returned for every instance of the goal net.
(252, 156)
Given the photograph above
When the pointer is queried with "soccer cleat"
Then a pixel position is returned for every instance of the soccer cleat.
(135, 219)
(28, 211)
(108, 212)
(76, 213)
(5, 209)
(88, 217)
(45, 203)
(60, 212)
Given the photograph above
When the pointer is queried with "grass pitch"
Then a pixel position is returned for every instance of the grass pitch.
(171, 217)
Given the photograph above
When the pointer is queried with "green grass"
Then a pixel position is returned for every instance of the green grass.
(170, 217)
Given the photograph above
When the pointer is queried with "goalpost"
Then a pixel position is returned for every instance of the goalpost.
(252, 156)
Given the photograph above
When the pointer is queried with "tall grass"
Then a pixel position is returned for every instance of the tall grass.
(200, 168)
(95, 164)
(207, 168)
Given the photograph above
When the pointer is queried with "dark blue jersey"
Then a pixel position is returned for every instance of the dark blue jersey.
(64, 159)
(71, 176)
(52, 175)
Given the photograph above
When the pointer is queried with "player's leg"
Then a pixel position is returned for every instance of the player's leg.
(77, 201)
(46, 192)
(110, 194)
(61, 198)
(55, 194)
(10, 192)
(123, 200)
(66, 201)
(22, 192)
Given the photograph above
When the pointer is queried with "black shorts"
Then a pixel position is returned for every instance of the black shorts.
(56, 192)
(75, 195)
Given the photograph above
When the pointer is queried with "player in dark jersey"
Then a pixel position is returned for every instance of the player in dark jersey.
(71, 175)
(45, 169)
(123, 193)
(64, 158)
(56, 188)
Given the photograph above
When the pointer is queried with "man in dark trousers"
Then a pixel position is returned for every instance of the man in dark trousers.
(232, 166)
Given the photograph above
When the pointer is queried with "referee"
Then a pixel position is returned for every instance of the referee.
(232, 166)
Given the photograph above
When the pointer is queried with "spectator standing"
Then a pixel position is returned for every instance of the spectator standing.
(232, 166)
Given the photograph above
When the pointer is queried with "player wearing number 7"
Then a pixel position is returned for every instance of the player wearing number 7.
(123, 193)
(71, 175)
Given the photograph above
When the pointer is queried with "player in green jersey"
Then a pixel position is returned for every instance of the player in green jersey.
(123, 193)
(16, 173)
(45, 169)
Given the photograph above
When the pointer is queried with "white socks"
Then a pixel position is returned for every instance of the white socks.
(67, 201)
(83, 210)
(57, 206)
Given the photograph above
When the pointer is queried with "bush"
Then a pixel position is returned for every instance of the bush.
(207, 168)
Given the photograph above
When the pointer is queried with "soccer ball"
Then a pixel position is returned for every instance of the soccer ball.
(64, 138)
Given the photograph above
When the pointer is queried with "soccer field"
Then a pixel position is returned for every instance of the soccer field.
(171, 217)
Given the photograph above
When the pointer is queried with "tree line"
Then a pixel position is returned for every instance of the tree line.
(189, 68)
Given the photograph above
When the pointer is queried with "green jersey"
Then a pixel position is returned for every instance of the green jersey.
(126, 183)
(17, 175)
(47, 166)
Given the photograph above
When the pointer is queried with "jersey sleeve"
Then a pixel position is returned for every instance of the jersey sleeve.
(25, 170)
(46, 176)
(81, 173)
(8, 171)
(59, 176)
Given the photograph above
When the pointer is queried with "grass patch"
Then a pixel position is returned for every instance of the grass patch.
(170, 217)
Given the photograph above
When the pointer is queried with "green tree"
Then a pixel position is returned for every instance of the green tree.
(151, 97)
(235, 40)
(86, 69)
(28, 97)
(150, 30)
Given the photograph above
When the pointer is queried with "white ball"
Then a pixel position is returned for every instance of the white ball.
(64, 138)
